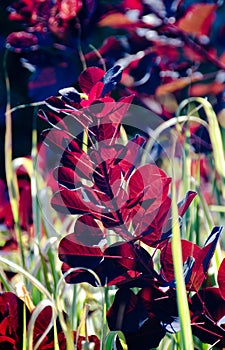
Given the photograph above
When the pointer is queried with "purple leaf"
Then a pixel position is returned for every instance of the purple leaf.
(111, 79)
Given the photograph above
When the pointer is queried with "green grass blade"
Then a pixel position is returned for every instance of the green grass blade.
(111, 340)
(59, 292)
(182, 303)
(155, 134)
(28, 276)
(214, 133)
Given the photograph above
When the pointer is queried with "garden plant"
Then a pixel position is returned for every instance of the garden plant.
(112, 185)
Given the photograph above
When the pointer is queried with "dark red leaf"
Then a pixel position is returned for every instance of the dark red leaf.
(128, 314)
(202, 258)
(61, 121)
(66, 177)
(130, 256)
(120, 109)
(208, 309)
(161, 304)
(185, 203)
(149, 227)
(57, 140)
(89, 78)
(88, 232)
(153, 182)
(149, 335)
(189, 249)
(52, 118)
(8, 343)
(96, 93)
(118, 264)
(129, 157)
(42, 322)
(55, 104)
(221, 278)
(80, 201)
(75, 158)
(77, 255)
(11, 313)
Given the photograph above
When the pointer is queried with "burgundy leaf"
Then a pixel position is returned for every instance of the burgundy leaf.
(8, 343)
(221, 278)
(148, 336)
(118, 264)
(149, 226)
(102, 179)
(155, 227)
(80, 276)
(87, 231)
(109, 271)
(106, 131)
(120, 109)
(57, 140)
(73, 157)
(95, 95)
(80, 201)
(77, 255)
(52, 118)
(41, 323)
(185, 203)
(189, 249)
(130, 156)
(161, 304)
(11, 313)
(208, 310)
(89, 77)
(130, 256)
(128, 314)
(62, 121)
(55, 104)
(66, 177)
(153, 182)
